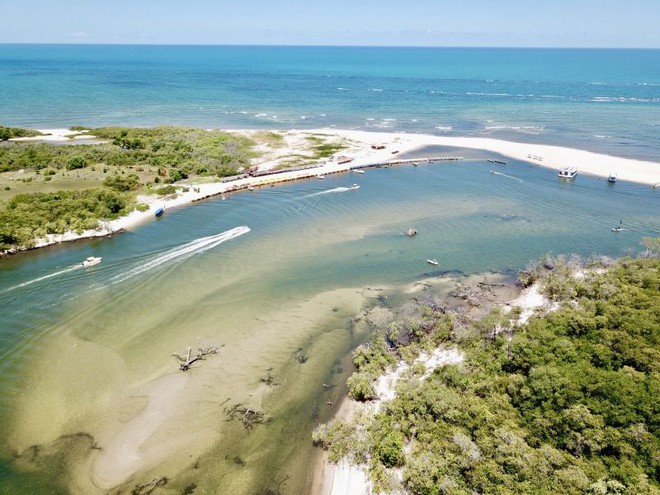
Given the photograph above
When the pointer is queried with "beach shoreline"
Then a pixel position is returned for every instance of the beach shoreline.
(367, 149)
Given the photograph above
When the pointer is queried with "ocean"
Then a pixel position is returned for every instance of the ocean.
(88, 381)
(602, 100)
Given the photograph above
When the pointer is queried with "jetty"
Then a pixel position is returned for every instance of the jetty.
(261, 178)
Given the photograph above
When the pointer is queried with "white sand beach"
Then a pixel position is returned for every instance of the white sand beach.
(57, 136)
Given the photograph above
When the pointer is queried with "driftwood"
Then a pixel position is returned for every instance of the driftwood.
(149, 486)
(249, 417)
(269, 379)
(188, 360)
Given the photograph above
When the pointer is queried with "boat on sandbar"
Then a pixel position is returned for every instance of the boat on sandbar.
(432, 261)
(91, 261)
(160, 211)
(568, 172)
(611, 178)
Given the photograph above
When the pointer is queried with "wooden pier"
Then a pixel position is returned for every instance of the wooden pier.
(271, 177)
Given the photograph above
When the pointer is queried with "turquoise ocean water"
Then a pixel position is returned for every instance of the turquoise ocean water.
(602, 100)
(83, 352)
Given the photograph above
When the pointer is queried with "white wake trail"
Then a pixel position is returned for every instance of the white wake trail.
(328, 191)
(45, 277)
(182, 252)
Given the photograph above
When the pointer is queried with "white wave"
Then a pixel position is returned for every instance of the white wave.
(45, 277)
(182, 252)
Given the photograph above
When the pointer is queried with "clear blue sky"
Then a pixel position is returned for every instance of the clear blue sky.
(551, 23)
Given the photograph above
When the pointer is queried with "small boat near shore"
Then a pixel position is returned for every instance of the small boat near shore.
(160, 211)
(358, 171)
(432, 261)
(501, 162)
(91, 261)
(568, 172)
(611, 178)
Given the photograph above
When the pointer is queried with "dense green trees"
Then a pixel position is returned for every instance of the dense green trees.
(31, 216)
(567, 403)
(180, 151)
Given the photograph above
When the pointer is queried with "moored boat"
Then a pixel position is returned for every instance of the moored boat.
(91, 261)
(612, 178)
(160, 211)
(568, 172)
(432, 261)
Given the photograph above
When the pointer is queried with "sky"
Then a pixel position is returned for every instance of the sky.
(515, 23)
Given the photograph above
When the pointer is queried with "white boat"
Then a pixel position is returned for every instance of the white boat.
(616, 229)
(612, 178)
(432, 261)
(358, 171)
(320, 176)
(91, 261)
(354, 186)
(568, 172)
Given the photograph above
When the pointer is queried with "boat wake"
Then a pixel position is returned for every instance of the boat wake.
(495, 172)
(328, 191)
(182, 252)
(45, 277)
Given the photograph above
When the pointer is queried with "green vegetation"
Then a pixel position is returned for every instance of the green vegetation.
(15, 132)
(323, 149)
(169, 152)
(566, 403)
(30, 216)
(86, 183)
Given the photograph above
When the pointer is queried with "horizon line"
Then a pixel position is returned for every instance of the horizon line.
(302, 45)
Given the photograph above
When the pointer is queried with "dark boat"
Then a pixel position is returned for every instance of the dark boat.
(160, 211)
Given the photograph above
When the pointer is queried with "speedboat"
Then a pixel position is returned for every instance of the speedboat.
(411, 232)
(568, 172)
(612, 178)
(432, 261)
(354, 186)
(91, 261)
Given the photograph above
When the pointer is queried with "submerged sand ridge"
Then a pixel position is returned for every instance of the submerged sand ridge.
(164, 425)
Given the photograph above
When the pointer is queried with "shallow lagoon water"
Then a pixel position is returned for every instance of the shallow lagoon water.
(86, 351)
